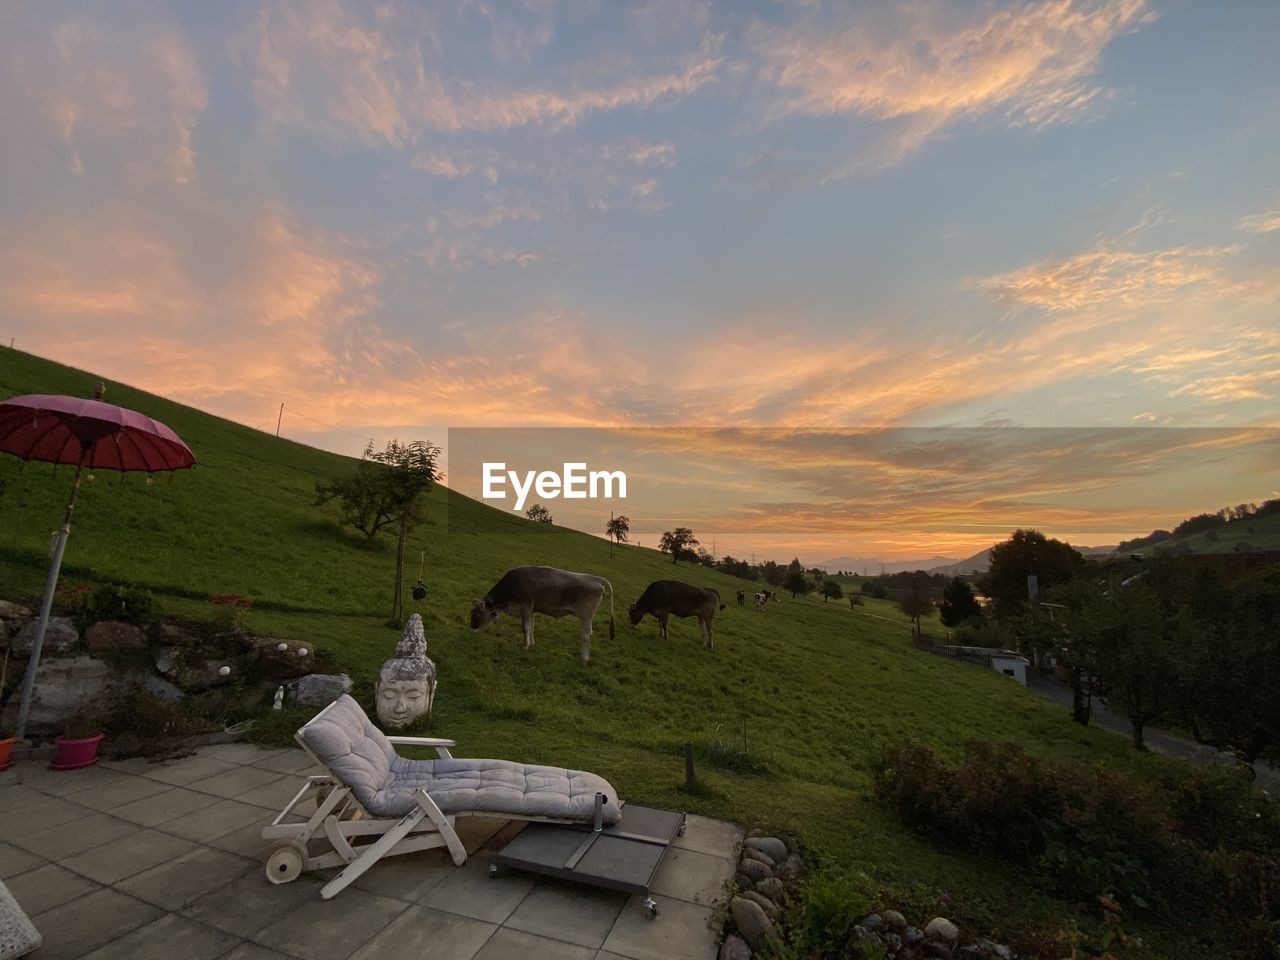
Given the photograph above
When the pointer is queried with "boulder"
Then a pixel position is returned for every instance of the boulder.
(749, 853)
(114, 635)
(60, 637)
(937, 949)
(768, 906)
(789, 868)
(14, 611)
(197, 674)
(913, 935)
(63, 687)
(321, 689)
(752, 922)
(772, 888)
(940, 928)
(755, 870)
(174, 635)
(894, 919)
(160, 688)
(772, 847)
(992, 949)
(278, 664)
(734, 948)
(743, 881)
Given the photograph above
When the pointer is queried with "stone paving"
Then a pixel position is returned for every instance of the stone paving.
(143, 861)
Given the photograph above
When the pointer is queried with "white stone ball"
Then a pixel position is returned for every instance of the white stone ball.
(302, 651)
(281, 647)
(224, 671)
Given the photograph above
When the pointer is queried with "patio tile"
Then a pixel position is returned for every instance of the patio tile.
(274, 795)
(705, 835)
(692, 876)
(162, 807)
(681, 932)
(134, 766)
(571, 912)
(48, 887)
(67, 783)
(476, 832)
(15, 860)
(241, 752)
(246, 841)
(251, 951)
(249, 903)
(471, 892)
(119, 792)
(82, 925)
(516, 945)
(215, 820)
(114, 861)
(179, 773)
(43, 813)
(68, 839)
(19, 796)
(236, 781)
(422, 932)
(290, 761)
(407, 877)
(192, 875)
(321, 929)
(165, 938)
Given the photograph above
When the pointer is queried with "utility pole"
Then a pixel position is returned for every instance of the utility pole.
(279, 417)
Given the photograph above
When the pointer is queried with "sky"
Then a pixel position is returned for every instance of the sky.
(397, 219)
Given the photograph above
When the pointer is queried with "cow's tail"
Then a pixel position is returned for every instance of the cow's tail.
(612, 630)
(718, 600)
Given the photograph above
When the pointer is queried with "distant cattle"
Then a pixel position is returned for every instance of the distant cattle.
(665, 597)
(742, 598)
(557, 593)
(760, 600)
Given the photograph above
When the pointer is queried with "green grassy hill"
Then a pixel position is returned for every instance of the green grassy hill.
(785, 711)
(1243, 536)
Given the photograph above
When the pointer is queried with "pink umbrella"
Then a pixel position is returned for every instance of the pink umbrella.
(88, 433)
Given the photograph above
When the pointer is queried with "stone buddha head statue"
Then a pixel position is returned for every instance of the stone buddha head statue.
(407, 680)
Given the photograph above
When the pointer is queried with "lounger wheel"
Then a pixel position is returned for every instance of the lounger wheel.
(284, 863)
(650, 908)
(684, 825)
(493, 871)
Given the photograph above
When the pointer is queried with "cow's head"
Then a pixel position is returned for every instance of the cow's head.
(636, 614)
(482, 612)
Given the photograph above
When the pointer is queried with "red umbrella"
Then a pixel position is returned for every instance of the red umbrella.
(88, 433)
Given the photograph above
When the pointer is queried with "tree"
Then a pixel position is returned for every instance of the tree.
(915, 607)
(385, 490)
(618, 529)
(1024, 554)
(831, 590)
(796, 582)
(958, 603)
(539, 514)
(678, 542)
(773, 574)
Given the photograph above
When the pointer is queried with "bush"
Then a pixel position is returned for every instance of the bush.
(115, 601)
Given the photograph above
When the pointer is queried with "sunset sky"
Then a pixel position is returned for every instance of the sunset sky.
(399, 218)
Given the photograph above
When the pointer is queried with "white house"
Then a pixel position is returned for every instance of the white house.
(1011, 665)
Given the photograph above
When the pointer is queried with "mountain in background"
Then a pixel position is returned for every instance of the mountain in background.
(872, 566)
(980, 561)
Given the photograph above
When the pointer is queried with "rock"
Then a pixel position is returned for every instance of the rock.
(321, 689)
(768, 906)
(63, 687)
(789, 868)
(734, 948)
(913, 935)
(749, 853)
(894, 919)
(752, 922)
(197, 674)
(772, 847)
(972, 951)
(936, 949)
(288, 663)
(743, 881)
(59, 637)
(893, 942)
(863, 935)
(14, 611)
(772, 888)
(114, 635)
(161, 688)
(990, 948)
(173, 635)
(872, 922)
(940, 928)
(755, 870)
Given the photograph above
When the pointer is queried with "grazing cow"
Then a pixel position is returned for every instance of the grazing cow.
(760, 600)
(665, 597)
(557, 593)
(742, 598)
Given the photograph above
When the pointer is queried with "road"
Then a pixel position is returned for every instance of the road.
(1160, 741)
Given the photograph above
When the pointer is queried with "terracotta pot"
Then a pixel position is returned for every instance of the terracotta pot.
(6, 752)
(74, 754)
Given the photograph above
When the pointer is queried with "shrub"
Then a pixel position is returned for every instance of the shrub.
(115, 601)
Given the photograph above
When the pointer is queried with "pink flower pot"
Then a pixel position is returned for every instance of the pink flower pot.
(74, 754)
(6, 752)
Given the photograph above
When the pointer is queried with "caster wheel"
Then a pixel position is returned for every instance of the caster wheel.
(684, 825)
(284, 863)
(493, 871)
(650, 909)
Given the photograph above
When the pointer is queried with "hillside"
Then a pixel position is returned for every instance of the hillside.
(784, 712)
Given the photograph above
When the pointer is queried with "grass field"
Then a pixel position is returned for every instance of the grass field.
(785, 711)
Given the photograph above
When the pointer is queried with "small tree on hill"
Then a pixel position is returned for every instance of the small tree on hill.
(617, 530)
(958, 603)
(831, 590)
(678, 542)
(1027, 553)
(796, 582)
(539, 514)
(915, 607)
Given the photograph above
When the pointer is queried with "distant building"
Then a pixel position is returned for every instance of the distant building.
(1011, 665)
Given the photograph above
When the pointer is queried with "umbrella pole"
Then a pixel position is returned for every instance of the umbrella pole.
(46, 603)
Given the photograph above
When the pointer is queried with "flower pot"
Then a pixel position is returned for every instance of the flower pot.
(6, 752)
(74, 754)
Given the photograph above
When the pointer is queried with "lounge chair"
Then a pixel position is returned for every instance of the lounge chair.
(374, 803)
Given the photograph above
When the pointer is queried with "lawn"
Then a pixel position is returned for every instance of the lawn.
(784, 712)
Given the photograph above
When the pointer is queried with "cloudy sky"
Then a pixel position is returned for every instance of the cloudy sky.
(397, 218)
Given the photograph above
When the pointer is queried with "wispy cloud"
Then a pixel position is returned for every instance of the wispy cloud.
(919, 71)
(1264, 221)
